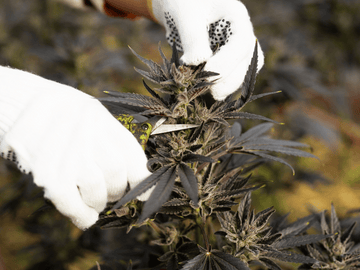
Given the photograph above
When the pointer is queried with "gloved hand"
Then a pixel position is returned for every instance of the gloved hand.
(75, 149)
(227, 22)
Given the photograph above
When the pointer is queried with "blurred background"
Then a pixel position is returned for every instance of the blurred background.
(312, 56)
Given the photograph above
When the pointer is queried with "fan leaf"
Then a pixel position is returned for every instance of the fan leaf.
(189, 182)
(160, 194)
(144, 185)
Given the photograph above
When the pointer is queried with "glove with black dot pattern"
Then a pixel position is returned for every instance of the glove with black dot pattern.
(216, 31)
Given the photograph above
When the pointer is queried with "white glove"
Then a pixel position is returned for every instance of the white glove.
(190, 22)
(75, 149)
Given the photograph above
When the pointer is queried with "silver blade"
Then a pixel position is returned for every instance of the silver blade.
(156, 121)
(174, 127)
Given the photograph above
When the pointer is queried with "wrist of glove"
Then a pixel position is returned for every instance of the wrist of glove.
(200, 27)
(75, 149)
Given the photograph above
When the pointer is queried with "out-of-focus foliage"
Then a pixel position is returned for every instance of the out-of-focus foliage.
(312, 55)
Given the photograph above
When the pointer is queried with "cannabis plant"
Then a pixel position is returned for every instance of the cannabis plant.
(201, 178)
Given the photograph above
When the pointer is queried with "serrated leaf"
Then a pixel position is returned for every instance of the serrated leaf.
(154, 67)
(207, 175)
(199, 89)
(165, 257)
(335, 224)
(272, 158)
(173, 263)
(227, 261)
(269, 264)
(268, 141)
(253, 132)
(346, 235)
(214, 147)
(289, 257)
(229, 181)
(160, 194)
(153, 93)
(226, 222)
(248, 85)
(255, 97)
(175, 56)
(240, 183)
(236, 193)
(263, 217)
(246, 115)
(195, 263)
(142, 101)
(298, 226)
(144, 185)
(206, 74)
(189, 182)
(165, 61)
(220, 120)
(116, 223)
(191, 158)
(279, 149)
(195, 147)
(148, 75)
(269, 239)
(323, 224)
(244, 209)
(291, 242)
(196, 134)
(215, 260)
(176, 202)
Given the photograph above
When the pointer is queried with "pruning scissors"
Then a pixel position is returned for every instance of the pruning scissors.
(154, 125)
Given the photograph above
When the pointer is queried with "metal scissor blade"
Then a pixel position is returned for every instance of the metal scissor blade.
(168, 128)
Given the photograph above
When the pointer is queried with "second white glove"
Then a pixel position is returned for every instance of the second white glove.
(199, 26)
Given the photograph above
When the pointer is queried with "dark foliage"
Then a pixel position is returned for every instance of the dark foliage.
(181, 233)
(201, 174)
